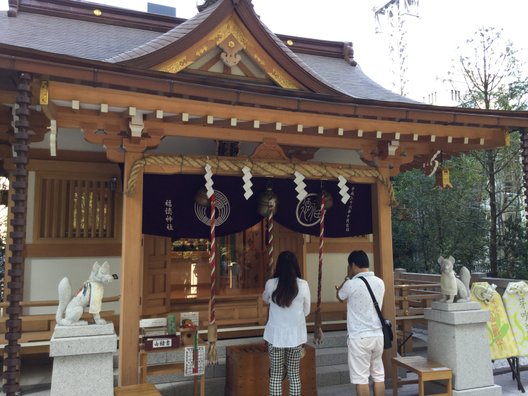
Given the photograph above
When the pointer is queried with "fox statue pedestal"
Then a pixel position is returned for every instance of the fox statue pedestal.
(458, 339)
(83, 360)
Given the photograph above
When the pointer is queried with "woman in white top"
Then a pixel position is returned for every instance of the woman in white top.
(285, 332)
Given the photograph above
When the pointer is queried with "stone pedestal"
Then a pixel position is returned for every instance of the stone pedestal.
(83, 360)
(458, 339)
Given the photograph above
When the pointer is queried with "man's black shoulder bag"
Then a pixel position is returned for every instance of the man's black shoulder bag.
(386, 325)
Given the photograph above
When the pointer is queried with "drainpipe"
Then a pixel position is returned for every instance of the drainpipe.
(11, 385)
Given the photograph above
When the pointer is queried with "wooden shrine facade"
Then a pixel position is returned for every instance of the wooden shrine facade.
(219, 77)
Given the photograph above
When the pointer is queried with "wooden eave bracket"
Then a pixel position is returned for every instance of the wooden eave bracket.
(136, 126)
(269, 150)
(389, 154)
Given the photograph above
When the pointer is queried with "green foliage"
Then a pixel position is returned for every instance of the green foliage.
(514, 247)
(481, 221)
(430, 222)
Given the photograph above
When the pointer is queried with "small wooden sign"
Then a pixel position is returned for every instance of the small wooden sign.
(161, 342)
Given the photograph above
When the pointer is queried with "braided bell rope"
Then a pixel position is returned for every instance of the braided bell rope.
(212, 355)
(269, 242)
(258, 168)
(318, 331)
(212, 262)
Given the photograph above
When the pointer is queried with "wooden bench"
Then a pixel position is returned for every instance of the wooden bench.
(426, 370)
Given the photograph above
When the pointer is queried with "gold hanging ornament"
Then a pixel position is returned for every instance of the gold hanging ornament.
(441, 173)
(442, 179)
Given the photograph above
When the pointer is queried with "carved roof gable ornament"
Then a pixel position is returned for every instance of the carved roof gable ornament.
(348, 53)
(13, 8)
(234, 46)
(202, 45)
(201, 5)
(231, 47)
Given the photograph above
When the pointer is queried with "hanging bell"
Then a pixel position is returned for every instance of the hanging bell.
(328, 200)
(201, 197)
(267, 203)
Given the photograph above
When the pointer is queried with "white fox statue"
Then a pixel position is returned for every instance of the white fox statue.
(90, 295)
(451, 287)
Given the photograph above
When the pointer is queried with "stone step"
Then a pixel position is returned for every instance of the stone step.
(327, 376)
(331, 356)
(332, 375)
(346, 389)
(213, 387)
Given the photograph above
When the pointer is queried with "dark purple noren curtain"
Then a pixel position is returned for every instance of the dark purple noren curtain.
(169, 207)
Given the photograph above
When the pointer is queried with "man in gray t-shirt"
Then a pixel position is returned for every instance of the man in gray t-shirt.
(365, 337)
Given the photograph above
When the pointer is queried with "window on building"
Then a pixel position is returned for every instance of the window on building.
(77, 206)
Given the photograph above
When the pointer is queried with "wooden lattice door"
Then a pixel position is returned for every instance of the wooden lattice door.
(292, 241)
(156, 275)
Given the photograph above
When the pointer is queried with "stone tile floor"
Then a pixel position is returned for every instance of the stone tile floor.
(37, 378)
(509, 387)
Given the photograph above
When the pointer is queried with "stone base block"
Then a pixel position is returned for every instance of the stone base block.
(458, 339)
(83, 360)
(494, 390)
(453, 307)
(83, 375)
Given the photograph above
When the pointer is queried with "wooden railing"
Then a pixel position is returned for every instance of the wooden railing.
(411, 298)
(45, 303)
(38, 329)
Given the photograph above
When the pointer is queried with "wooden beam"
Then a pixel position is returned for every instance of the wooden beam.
(383, 264)
(7, 97)
(256, 136)
(131, 278)
(73, 250)
(62, 91)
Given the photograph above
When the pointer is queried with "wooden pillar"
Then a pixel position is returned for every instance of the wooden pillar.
(383, 264)
(131, 274)
(17, 247)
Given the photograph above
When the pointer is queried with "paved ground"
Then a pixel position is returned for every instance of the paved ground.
(509, 387)
(36, 380)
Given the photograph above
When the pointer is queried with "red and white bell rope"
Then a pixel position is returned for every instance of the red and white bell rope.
(212, 261)
(212, 333)
(269, 242)
(318, 330)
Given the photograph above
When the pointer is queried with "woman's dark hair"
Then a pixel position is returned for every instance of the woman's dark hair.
(287, 271)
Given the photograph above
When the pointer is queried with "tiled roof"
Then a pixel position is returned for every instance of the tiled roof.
(113, 44)
(72, 37)
(342, 76)
(165, 39)
(350, 79)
